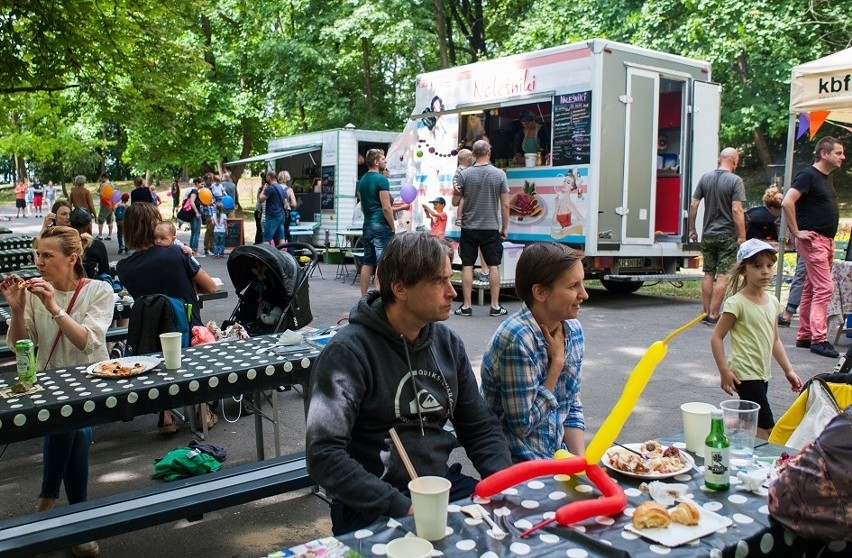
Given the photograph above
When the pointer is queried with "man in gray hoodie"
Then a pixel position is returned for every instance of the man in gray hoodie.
(395, 366)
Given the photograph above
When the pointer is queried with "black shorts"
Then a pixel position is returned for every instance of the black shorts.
(20, 203)
(755, 391)
(473, 240)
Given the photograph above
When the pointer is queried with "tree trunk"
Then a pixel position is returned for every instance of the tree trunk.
(441, 30)
(184, 173)
(368, 88)
(759, 134)
(20, 167)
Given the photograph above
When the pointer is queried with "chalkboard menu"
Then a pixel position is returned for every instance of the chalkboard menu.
(572, 128)
(234, 233)
(327, 201)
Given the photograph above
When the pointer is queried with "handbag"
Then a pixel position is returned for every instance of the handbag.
(187, 212)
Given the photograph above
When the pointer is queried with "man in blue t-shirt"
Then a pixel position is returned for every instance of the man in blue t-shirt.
(273, 194)
(374, 192)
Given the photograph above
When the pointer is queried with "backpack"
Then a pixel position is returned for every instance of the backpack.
(119, 212)
(152, 315)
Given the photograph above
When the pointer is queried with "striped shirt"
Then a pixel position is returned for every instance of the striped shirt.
(514, 368)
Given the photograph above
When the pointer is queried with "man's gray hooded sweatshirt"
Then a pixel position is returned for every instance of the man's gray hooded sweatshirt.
(369, 379)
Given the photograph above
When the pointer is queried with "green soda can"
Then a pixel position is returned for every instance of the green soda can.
(25, 353)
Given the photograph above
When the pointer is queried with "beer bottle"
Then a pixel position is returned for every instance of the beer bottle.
(716, 458)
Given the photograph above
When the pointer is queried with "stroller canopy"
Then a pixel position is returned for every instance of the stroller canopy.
(276, 269)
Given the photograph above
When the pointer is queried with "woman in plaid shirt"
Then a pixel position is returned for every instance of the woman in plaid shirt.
(531, 370)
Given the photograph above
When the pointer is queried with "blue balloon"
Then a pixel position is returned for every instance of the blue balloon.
(228, 203)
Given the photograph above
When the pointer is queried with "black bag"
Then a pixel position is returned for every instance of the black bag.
(152, 315)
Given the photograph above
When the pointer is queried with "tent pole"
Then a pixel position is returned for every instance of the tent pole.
(788, 180)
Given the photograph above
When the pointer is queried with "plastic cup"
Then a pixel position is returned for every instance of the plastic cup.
(740, 426)
(529, 159)
(430, 497)
(409, 547)
(171, 343)
(696, 425)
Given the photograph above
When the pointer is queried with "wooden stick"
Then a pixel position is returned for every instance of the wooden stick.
(402, 454)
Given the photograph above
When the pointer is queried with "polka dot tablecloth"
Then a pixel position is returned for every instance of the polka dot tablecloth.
(68, 398)
(752, 533)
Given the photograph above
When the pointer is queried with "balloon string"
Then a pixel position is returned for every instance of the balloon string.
(684, 327)
(536, 527)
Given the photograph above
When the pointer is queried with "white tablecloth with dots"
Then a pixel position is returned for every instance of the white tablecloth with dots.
(67, 398)
(515, 510)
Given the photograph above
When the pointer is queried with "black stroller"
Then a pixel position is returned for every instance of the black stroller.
(272, 287)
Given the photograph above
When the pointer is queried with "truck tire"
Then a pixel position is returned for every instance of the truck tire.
(621, 287)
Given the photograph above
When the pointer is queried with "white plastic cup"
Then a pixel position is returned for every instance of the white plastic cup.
(740, 426)
(409, 547)
(171, 343)
(529, 159)
(430, 497)
(696, 425)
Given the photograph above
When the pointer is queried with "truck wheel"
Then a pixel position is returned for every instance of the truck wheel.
(621, 287)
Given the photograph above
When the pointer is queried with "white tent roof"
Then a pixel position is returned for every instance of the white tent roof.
(824, 84)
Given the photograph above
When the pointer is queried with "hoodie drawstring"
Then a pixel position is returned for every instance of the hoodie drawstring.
(414, 384)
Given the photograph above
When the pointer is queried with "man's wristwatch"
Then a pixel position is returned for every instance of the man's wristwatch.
(59, 314)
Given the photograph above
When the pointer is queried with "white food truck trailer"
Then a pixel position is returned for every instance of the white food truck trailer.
(324, 168)
(622, 135)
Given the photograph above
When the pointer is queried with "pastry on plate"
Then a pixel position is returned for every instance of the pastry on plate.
(651, 515)
(686, 513)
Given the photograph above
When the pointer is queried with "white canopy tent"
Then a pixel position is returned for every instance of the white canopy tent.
(818, 87)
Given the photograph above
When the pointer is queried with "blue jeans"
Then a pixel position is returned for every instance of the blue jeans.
(219, 243)
(376, 237)
(274, 228)
(66, 458)
(194, 233)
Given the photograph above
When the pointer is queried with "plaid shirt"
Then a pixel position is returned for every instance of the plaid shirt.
(514, 368)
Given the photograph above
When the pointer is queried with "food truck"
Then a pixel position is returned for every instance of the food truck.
(325, 168)
(602, 143)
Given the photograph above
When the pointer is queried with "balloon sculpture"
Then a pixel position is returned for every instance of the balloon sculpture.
(227, 203)
(206, 196)
(408, 193)
(116, 196)
(613, 500)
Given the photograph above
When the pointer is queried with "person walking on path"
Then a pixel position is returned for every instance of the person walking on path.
(80, 195)
(812, 215)
(20, 198)
(723, 193)
(379, 225)
(485, 221)
(750, 316)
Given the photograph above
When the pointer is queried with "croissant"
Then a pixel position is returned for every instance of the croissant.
(651, 515)
(686, 513)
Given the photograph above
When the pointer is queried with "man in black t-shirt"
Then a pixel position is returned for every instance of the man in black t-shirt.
(810, 208)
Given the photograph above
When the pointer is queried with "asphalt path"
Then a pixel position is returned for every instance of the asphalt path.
(618, 328)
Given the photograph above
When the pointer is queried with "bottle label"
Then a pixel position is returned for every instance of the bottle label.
(716, 465)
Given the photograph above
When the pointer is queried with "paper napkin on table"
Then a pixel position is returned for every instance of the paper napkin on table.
(290, 338)
(665, 494)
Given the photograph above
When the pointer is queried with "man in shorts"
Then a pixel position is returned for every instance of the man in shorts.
(723, 193)
(374, 192)
(105, 215)
(485, 218)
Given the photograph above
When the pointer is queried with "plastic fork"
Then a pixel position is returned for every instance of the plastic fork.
(476, 511)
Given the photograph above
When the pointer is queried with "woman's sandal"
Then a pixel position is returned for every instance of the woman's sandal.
(167, 428)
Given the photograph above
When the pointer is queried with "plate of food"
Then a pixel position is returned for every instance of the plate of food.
(525, 207)
(676, 526)
(655, 462)
(124, 367)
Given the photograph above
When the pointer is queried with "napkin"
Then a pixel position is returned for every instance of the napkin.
(752, 480)
(290, 338)
(665, 494)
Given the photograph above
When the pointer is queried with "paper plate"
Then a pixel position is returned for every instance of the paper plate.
(136, 364)
(689, 463)
(677, 534)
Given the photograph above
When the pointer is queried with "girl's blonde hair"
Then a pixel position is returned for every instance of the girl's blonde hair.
(737, 280)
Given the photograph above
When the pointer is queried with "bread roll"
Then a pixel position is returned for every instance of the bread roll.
(686, 513)
(651, 515)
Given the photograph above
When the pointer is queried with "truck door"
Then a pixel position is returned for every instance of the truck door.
(640, 157)
(706, 99)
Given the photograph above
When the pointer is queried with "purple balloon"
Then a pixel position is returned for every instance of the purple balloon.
(116, 196)
(408, 193)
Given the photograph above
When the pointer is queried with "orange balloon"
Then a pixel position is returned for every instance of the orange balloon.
(106, 191)
(206, 196)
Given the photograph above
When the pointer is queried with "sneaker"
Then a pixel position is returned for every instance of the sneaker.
(710, 321)
(803, 343)
(782, 322)
(499, 311)
(462, 311)
(824, 348)
(85, 550)
(108, 238)
(98, 238)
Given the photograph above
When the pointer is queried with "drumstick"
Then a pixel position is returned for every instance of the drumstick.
(403, 454)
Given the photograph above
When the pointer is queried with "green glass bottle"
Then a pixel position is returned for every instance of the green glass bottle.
(716, 457)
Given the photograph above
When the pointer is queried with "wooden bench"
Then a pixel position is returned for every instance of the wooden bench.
(189, 499)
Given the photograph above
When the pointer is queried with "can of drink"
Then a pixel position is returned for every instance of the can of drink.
(25, 353)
